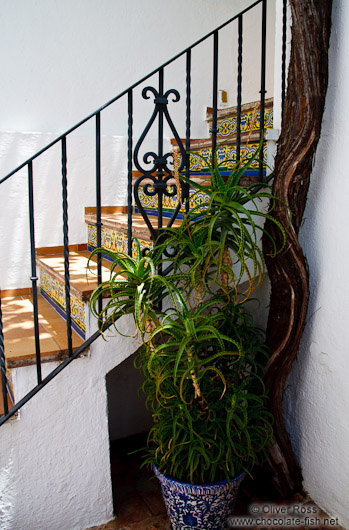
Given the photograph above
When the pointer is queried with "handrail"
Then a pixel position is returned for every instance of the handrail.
(124, 92)
(160, 182)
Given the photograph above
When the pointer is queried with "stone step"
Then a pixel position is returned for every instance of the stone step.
(19, 339)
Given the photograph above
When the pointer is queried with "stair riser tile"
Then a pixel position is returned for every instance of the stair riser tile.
(53, 291)
(114, 240)
(199, 159)
(199, 165)
(151, 201)
(228, 125)
(151, 207)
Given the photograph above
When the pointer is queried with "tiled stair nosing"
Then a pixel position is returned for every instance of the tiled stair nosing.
(43, 251)
(118, 224)
(106, 209)
(9, 293)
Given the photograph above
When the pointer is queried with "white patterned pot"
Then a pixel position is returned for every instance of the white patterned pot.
(199, 507)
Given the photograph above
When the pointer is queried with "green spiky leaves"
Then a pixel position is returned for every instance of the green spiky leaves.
(202, 357)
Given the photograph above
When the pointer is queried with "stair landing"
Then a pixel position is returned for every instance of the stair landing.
(19, 340)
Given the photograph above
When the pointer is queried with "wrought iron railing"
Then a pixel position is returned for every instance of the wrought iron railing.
(159, 174)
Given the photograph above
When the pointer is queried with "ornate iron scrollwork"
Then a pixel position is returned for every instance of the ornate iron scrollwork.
(155, 167)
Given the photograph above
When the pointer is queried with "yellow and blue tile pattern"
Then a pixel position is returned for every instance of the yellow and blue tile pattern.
(250, 121)
(54, 290)
(114, 240)
(226, 156)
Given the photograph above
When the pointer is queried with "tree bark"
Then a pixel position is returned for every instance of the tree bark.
(301, 126)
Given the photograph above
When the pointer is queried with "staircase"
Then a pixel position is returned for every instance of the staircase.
(48, 326)
(18, 325)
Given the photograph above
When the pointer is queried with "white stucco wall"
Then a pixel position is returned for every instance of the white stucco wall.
(61, 60)
(54, 459)
(317, 401)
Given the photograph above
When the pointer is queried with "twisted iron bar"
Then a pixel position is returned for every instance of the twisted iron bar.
(3, 365)
(188, 127)
(283, 67)
(66, 245)
(129, 172)
(239, 91)
(98, 203)
(34, 278)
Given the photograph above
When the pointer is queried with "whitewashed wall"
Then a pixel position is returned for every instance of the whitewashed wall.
(61, 60)
(54, 459)
(317, 399)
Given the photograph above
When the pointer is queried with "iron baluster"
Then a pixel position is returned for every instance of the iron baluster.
(3, 365)
(262, 91)
(160, 171)
(215, 96)
(239, 91)
(34, 278)
(187, 136)
(66, 245)
(129, 173)
(98, 204)
(155, 165)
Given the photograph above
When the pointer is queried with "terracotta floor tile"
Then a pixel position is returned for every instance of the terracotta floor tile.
(112, 525)
(24, 347)
(155, 523)
(19, 337)
(132, 511)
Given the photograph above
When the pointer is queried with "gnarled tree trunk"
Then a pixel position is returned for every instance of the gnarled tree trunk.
(302, 117)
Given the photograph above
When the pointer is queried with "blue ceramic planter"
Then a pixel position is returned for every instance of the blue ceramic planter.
(199, 507)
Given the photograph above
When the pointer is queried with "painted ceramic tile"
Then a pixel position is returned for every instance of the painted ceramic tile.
(114, 240)
(55, 291)
(170, 203)
(226, 156)
(228, 126)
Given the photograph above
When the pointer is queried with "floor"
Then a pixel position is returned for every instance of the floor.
(138, 503)
(19, 338)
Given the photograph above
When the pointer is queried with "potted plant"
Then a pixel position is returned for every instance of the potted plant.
(202, 356)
